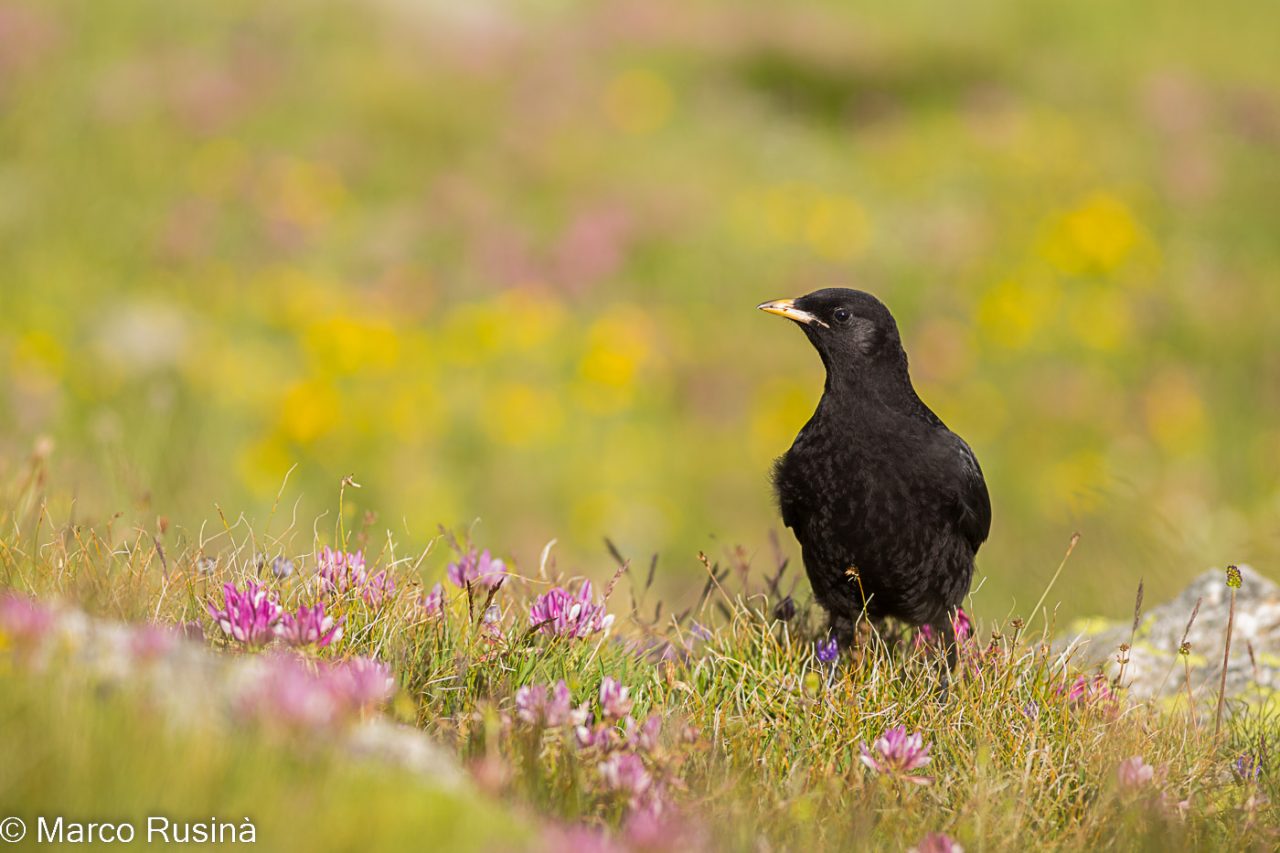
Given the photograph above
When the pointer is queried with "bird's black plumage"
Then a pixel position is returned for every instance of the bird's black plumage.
(889, 506)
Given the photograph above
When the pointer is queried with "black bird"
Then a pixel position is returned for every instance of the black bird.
(889, 506)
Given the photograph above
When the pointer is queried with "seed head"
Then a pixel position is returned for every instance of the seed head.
(1233, 577)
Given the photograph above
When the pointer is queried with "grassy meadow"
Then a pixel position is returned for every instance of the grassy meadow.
(423, 280)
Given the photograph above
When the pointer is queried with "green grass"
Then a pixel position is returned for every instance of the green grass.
(759, 745)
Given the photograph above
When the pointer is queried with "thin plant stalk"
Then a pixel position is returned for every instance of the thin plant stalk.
(1233, 583)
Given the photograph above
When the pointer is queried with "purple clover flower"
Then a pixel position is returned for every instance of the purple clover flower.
(378, 589)
(615, 702)
(827, 651)
(25, 620)
(311, 627)
(360, 682)
(477, 569)
(961, 624)
(432, 603)
(1247, 768)
(289, 693)
(537, 705)
(580, 839)
(645, 737)
(339, 571)
(625, 772)
(604, 736)
(1135, 773)
(281, 568)
(249, 617)
(897, 754)
(1087, 691)
(151, 642)
(567, 614)
(937, 842)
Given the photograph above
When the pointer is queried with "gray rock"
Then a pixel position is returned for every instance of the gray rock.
(1156, 670)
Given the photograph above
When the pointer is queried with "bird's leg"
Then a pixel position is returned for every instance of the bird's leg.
(843, 627)
(946, 633)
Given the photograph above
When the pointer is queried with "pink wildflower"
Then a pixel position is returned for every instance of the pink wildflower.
(249, 617)
(1135, 773)
(579, 839)
(1087, 691)
(644, 738)
(898, 754)
(937, 842)
(378, 589)
(537, 705)
(360, 682)
(151, 642)
(25, 620)
(339, 571)
(615, 703)
(433, 602)
(625, 772)
(567, 614)
(960, 624)
(483, 570)
(290, 694)
(311, 627)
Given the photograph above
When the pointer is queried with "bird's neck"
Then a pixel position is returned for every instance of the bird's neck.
(872, 392)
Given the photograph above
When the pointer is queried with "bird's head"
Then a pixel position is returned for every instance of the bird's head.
(853, 331)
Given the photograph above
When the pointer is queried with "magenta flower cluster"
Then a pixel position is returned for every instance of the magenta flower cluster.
(552, 707)
(432, 603)
(937, 842)
(254, 617)
(476, 570)
(297, 694)
(340, 572)
(898, 755)
(24, 620)
(628, 753)
(960, 623)
(310, 627)
(248, 617)
(1085, 691)
(566, 614)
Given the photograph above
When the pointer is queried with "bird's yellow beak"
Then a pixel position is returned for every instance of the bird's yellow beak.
(787, 308)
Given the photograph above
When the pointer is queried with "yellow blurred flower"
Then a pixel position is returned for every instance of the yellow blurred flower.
(780, 409)
(263, 465)
(837, 227)
(1175, 413)
(534, 318)
(519, 415)
(618, 345)
(1014, 312)
(472, 333)
(38, 360)
(638, 101)
(1100, 317)
(1078, 480)
(1096, 236)
(309, 410)
(346, 345)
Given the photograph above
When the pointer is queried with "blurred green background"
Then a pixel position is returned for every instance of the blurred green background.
(500, 261)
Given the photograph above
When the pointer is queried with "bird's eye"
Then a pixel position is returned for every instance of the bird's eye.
(842, 316)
